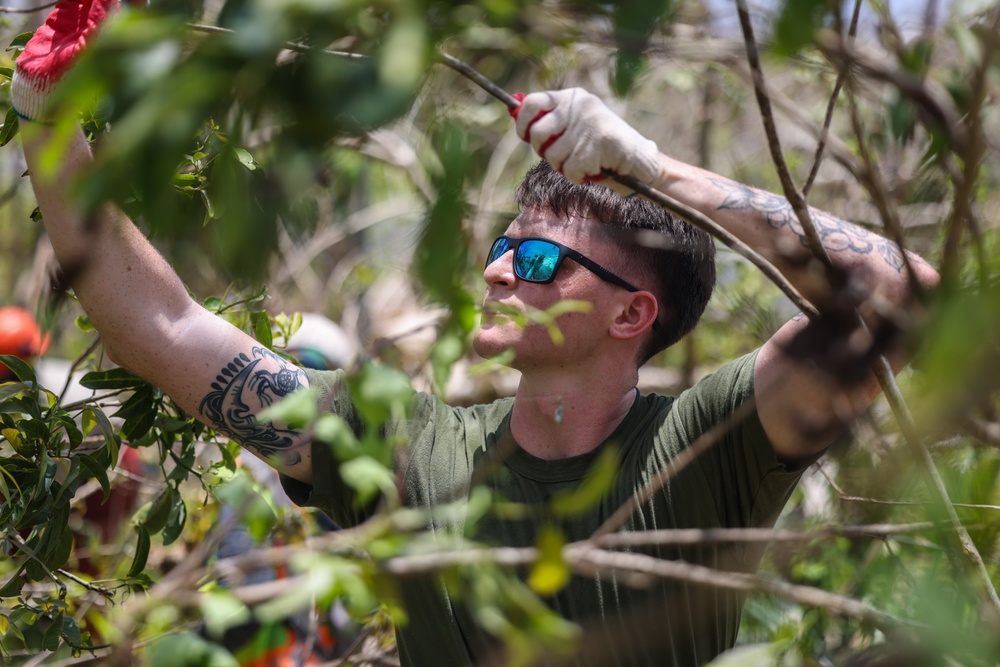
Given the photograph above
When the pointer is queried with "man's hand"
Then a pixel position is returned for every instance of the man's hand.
(580, 136)
(51, 51)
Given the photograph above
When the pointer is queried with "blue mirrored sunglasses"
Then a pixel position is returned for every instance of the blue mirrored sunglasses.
(537, 260)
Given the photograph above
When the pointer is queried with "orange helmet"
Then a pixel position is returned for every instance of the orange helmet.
(19, 334)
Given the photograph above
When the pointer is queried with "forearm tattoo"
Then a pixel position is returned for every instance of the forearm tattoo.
(836, 235)
(242, 389)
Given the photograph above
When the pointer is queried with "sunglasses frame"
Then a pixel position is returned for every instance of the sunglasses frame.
(564, 252)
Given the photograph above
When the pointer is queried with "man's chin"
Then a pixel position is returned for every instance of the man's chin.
(488, 342)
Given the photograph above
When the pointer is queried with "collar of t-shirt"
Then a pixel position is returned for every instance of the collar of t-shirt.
(574, 467)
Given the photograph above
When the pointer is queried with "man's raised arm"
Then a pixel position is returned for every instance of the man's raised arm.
(147, 321)
(801, 406)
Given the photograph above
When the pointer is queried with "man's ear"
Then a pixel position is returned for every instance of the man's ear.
(637, 315)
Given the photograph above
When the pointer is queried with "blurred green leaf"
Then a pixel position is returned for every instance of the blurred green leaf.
(586, 498)
(116, 378)
(797, 22)
(222, 610)
(634, 23)
(175, 520)
(380, 392)
(297, 410)
(368, 477)
(142, 545)
(186, 649)
(11, 123)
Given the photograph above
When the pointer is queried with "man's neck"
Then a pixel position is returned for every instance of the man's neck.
(556, 420)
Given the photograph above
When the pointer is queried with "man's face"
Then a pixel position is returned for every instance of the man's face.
(509, 298)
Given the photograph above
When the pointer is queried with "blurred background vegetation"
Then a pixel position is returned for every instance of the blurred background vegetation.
(292, 156)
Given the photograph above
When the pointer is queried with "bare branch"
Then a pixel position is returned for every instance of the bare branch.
(738, 581)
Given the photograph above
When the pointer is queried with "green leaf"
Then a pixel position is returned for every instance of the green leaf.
(586, 497)
(14, 585)
(52, 637)
(175, 521)
(245, 159)
(83, 323)
(368, 477)
(11, 123)
(159, 511)
(20, 40)
(141, 552)
(332, 429)
(380, 392)
(96, 471)
(259, 517)
(137, 427)
(634, 22)
(222, 610)
(140, 403)
(4, 625)
(214, 304)
(22, 370)
(262, 329)
(71, 630)
(116, 378)
(796, 25)
(296, 410)
(11, 389)
(187, 649)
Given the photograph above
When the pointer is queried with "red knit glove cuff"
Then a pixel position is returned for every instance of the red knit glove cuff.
(52, 50)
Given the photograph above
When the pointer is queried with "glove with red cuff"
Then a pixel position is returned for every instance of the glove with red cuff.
(580, 136)
(49, 54)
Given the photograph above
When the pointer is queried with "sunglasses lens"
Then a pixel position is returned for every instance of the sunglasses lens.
(536, 261)
(500, 246)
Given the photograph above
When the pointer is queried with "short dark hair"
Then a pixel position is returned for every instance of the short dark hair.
(677, 260)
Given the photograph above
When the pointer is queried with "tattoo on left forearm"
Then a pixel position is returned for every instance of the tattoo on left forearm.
(228, 410)
(836, 235)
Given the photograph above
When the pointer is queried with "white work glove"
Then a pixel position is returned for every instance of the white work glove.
(579, 136)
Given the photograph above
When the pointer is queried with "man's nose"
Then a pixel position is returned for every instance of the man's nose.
(501, 271)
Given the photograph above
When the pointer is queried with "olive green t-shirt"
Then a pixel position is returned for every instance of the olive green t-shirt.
(736, 482)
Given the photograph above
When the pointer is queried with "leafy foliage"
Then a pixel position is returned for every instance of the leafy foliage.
(238, 144)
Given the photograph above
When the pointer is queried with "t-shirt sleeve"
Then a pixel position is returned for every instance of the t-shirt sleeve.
(745, 481)
(328, 493)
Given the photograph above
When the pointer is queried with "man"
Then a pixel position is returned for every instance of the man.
(775, 410)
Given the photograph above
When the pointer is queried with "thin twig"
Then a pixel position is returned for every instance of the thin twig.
(696, 536)
(19, 543)
(298, 47)
(739, 581)
(971, 158)
(94, 588)
(831, 106)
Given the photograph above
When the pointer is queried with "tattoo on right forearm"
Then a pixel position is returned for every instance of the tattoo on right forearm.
(226, 407)
(836, 235)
